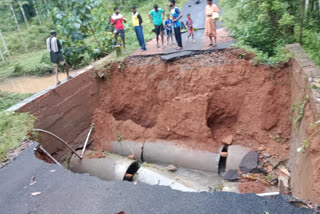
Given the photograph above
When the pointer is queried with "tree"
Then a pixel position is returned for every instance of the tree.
(23, 13)
(9, 2)
(84, 19)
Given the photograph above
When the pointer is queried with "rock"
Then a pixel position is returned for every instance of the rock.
(227, 140)
(249, 163)
(231, 175)
(172, 168)
(131, 157)
(224, 154)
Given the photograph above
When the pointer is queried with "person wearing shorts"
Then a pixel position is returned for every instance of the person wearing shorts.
(156, 16)
(189, 24)
(117, 21)
(54, 47)
(168, 25)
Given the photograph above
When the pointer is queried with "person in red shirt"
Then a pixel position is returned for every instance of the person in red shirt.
(117, 21)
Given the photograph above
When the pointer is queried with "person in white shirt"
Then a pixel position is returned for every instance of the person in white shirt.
(54, 47)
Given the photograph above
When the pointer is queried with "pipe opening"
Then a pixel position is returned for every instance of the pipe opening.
(223, 161)
(132, 170)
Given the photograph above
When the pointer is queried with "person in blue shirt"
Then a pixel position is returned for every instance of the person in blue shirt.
(156, 16)
(176, 16)
(168, 25)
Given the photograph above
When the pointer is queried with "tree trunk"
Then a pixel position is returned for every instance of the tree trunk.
(24, 15)
(4, 44)
(18, 27)
(37, 12)
(302, 20)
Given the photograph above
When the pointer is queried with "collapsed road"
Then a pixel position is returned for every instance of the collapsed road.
(31, 186)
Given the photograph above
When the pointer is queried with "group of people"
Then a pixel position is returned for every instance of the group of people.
(172, 25)
(157, 15)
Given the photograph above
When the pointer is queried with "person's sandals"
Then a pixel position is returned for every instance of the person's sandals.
(58, 83)
(69, 77)
(194, 41)
(179, 48)
(211, 44)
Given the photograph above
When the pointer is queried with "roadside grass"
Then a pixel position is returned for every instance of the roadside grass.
(14, 127)
(9, 99)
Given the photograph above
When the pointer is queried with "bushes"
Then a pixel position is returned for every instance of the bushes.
(265, 27)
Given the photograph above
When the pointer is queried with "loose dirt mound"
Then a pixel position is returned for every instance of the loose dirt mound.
(196, 101)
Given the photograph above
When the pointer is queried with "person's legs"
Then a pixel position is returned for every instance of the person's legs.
(116, 36)
(157, 31)
(172, 38)
(215, 41)
(177, 33)
(141, 36)
(162, 34)
(122, 35)
(210, 37)
(56, 68)
(66, 68)
(162, 38)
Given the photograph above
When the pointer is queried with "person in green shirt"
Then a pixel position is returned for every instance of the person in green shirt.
(156, 16)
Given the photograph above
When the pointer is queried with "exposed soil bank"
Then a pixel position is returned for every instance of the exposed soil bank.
(196, 101)
(305, 166)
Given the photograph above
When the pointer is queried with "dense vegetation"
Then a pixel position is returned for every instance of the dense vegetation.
(82, 25)
(266, 26)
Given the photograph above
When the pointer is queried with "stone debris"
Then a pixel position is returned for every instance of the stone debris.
(227, 140)
(249, 163)
(171, 168)
(231, 175)
(131, 157)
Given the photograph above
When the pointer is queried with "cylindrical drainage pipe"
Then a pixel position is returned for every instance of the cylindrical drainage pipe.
(109, 168)
(169, 153)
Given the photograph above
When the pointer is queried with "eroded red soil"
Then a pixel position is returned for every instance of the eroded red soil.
(196, 101)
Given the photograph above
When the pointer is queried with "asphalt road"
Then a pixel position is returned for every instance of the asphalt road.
(63, 192)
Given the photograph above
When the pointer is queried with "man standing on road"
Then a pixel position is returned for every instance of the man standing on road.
(176, 16)
(156, 16)
(117, 20)
(54, 47)
(137, 21)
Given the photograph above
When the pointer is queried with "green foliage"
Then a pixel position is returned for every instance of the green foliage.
(14, 127)
(85, 29)
(119, 138)
(9, 99)
(311, 43)
(265, 27)
(303, 148)
(298, 111)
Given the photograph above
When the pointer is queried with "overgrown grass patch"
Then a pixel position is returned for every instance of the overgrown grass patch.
(14, 127)
(9, 99)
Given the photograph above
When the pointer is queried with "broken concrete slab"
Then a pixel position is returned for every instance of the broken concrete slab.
(231, 175)
(249, 163)
(235, 154)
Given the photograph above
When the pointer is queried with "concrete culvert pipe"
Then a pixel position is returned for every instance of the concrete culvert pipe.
(109, 168)
(165, 152)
